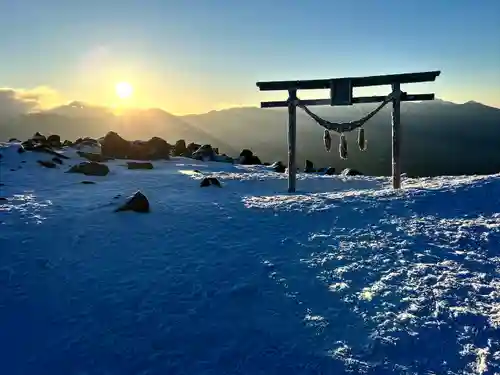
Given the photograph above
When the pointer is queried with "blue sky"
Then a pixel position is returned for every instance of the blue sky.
(196, 55)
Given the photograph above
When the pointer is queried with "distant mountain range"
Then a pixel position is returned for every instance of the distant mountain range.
(438, 137)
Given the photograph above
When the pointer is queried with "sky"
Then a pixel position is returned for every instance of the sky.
(193, 56)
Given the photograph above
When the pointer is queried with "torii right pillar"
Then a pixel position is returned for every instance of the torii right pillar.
(396, 136)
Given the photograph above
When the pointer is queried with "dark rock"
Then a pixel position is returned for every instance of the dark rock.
(248, 158)
(159, 148)
(98, 158)
(54, 140)
(112, 145)
(14, 140)
(38, 137)
(180, 148)
(246, 153)
(2, 199)
(67, 143)
(55, 159)
(205, 153)
(85, 182)
(207, 181)
(87, 141)
(115, 146)
(137, 165)
(46, 163)
(309, 167)
(192, 147)
(279, 167)
(137, 203)
(330, 171)
(90, 168)
(351, 172)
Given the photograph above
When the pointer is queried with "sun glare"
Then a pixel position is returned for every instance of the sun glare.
(124, 90)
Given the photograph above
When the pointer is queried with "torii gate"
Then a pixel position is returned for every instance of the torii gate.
(341, 93)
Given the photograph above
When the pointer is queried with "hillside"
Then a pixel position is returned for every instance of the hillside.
(345, 276)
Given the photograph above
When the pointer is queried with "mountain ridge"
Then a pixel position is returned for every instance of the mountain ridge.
(438, 137)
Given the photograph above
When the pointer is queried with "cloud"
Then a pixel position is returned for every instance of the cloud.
(14, 102)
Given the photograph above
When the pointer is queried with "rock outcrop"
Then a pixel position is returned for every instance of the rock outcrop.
(114, 146)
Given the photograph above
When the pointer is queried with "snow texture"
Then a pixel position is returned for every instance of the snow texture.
(345, 276)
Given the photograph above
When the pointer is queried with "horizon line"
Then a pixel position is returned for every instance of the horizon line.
(125, 109)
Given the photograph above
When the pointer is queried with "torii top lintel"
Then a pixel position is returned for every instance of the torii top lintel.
(355, 81)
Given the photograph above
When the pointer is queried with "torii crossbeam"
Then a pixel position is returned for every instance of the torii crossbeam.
(341, 93)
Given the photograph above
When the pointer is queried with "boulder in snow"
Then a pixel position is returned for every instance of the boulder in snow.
(247, 157)
(139, 165)
(54, 140)
(180, 148)
(309, 167)
(90, 168)
(330, 171)
(207, 181)
(205, 153)
(192, 147)
(137, 203)
(351, 172)
(278, 166)
(38, 137)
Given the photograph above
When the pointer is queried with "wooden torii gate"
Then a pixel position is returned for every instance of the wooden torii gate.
(341, 93)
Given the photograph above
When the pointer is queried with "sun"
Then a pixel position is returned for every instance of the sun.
(124, 90)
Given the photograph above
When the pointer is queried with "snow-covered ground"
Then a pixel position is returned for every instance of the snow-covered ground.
(345, 275)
